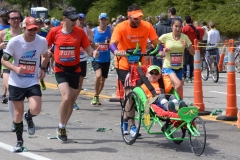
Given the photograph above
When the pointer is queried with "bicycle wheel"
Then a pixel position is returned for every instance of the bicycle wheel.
(237, 64)
(128, 136)
(180, 133)
(215, 72)
(198, 142)
(204, 69)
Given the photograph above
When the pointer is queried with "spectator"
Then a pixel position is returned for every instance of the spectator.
(200, 29)
(191, 32)
(149, 19)
(213, 39)
(161, 28)
(47, 25)
(172, 14)
(205, 36)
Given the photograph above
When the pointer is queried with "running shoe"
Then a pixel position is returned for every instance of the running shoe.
(62, 134)
(5, 100)
(30, 125)
(3, 97)
(75, 106)
(171, 107)
(191, 80)
(98, 102)
(94, 100)
(182, 104)
(18, 147)
(133, 131)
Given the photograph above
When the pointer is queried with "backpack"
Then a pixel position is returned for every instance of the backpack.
(162, 29)
(196, 31)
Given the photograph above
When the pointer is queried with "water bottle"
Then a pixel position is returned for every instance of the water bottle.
(42, 84)
(146, 116)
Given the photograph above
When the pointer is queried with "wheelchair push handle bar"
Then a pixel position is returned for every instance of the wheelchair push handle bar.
(150, 52)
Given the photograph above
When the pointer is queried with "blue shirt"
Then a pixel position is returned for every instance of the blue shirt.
(104, 51)
(4, 27)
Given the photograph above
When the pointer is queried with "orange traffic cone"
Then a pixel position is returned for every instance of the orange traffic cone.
(231, 109)
(198, 93)
(119, 92)
(222, 55)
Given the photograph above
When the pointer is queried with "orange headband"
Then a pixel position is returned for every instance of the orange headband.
(135, 14)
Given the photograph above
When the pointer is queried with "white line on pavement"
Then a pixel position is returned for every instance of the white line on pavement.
(222, 93)
(225, 77)
(25, 154)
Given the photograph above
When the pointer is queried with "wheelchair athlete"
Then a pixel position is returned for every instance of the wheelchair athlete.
(153, 75)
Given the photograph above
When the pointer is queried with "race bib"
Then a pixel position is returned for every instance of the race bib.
(67, 53)
(103, 47)
(30, 67)
(176, 59)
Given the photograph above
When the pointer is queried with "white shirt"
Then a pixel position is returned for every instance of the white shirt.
(26, 54)
(83, 53)
(205, 36)
(213, 37)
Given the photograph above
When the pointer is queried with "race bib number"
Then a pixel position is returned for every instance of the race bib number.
(103, 47)
(30, 67)
(67, 53)
(176, 59)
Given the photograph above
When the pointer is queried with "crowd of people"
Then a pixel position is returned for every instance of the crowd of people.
(30, 46)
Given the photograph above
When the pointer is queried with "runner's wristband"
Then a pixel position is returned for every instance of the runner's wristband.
(160, 48)
(113, 47)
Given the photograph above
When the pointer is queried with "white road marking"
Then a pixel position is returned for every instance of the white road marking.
(25, 154)
(222, 93)
(225, 77)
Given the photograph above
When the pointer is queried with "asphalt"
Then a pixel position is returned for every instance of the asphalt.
(86, 143)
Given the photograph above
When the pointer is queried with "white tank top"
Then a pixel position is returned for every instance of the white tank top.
(83, 53)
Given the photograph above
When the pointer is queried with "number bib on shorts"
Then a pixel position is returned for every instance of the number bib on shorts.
(30, 68)
(103, 47)
(176, 59)
(67, 53)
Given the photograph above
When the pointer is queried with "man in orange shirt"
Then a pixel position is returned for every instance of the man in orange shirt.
(68, 39)
(127, 35)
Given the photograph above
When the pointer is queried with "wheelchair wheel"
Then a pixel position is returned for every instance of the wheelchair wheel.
(215, 73)
(198, 142)
(180, 133)
(237, 64)
(204, 69)
(127, 134)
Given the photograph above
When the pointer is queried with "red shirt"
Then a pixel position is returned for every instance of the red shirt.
(190, 32)
(201, 32)
(67, 46)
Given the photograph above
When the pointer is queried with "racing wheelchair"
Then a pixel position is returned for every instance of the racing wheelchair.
(177, 127)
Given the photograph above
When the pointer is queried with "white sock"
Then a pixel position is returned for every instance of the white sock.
(61, 125)
(11, 109)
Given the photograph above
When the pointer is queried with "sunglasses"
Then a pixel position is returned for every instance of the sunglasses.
(73, 20)
(154, 73)
(33, 29)
(15, 18)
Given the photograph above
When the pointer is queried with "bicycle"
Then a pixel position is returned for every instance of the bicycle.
(209, 65)
(176, 126)
(237, 58)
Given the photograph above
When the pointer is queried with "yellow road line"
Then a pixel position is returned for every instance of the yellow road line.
(91, 94)
(85, 93)
(213, 118)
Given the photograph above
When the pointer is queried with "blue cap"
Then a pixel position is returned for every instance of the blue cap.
(103, 15)
(46, 21)
(81, 15)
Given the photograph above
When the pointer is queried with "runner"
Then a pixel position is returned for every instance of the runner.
(83, 54)
(125, 36)
(68, 39)
(25, 50)
(14, 19)
(102, 35)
